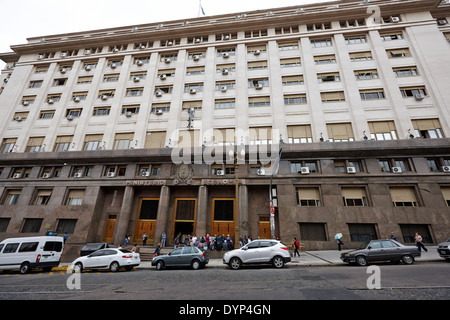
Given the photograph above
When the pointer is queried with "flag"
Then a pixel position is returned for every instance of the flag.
(201, 9)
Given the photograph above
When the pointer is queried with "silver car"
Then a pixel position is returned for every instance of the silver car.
(257, 252)
(444, 249)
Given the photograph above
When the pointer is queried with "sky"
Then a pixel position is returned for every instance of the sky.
(22, 19)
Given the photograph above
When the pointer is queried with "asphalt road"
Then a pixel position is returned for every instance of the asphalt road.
(424, 281)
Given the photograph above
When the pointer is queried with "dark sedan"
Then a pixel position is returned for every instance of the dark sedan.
(381, 250)
(182, 257)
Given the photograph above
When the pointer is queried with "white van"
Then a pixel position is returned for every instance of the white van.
(30, 253)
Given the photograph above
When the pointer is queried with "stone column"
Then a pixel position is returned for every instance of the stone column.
(163, 217)
(123, 219)
(243, 211)
(202, 211)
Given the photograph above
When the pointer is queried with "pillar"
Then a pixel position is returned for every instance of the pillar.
(123, 219)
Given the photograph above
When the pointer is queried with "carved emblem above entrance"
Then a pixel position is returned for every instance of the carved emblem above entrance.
(183, 174)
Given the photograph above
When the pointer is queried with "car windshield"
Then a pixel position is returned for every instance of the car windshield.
(448, 240)
(364, 245)
(125, 251)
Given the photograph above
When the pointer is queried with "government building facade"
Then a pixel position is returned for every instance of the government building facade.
(109, 132)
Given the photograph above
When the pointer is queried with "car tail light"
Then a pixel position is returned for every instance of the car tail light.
(129, 256)
(203, 255)
(284, 248)
(38, 258)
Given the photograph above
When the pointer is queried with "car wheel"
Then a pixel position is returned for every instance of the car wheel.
(159, 265)
(278, 262)
(25, 268)
(114, 267)
(196, 264)
(408, 259)
(235, 263)
(78, 268)
(361, 261)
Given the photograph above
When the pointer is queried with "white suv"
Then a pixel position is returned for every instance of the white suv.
(258, 251)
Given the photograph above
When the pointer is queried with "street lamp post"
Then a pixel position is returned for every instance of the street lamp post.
(272, 208)
(236, 156)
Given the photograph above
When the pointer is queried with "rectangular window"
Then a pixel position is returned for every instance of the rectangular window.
(111, 77)
(260, 136)
(428, 128)
(12, 196)
(224, 104)
(66, 225)
(223, 137)
(292, 80)
(325, 59)
(313, 231)
(398, 53)
(375, 94)
(42, 197)
(355, 40)
(31, 225)
(403, 196)
(149, 209)
(294, 99)
(300, 134)
(340, 132)
(34, 144)
(328, 77)
(223, 210)
(259, 102)
(446, 194)
(291, 62)
(383, 130)
(8, 145)
(288, 46)
(192, 71)
(93, 142)
(35, 84)
(362, 232)
(48, 114)
(321, 43)
(85, 80)
(62, 143)
(135, 92)
(4, 223)
(391, 36)
(123, 141)
(75, 197)
(101, 111)
(332, 96)
(366, 75)
(361, 56)
(354, 197)
(308, 197)
(405, 72)
(413, 92)
(409, 232)
(59, 82)
(257, 65)
(299, 167)
(257, 49)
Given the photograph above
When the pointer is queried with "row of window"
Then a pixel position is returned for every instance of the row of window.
(337, 132)
(33, 225)
(359, 196)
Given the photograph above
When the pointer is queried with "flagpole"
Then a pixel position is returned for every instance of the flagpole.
(199, 7)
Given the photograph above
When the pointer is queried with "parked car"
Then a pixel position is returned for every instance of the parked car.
(258, 252)
(444, 249)
(381, 250)
(112, 259)
(92, 247)
(192, 257)
(30, 253)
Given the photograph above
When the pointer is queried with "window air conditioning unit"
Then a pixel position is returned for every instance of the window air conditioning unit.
(351, 170)
(113, 65)
(226, 37)
(142, 47)
(159, 112)
(198, 40)
(63, 54)
(136, 79)
(446, 169)
(167, 60)
(192, 91)
(87, 52)
(139, 62)
(442, 22)
(145, 173)
(40, 57)
(258, 86)
(115, 50)
(25, 103)
(46, 175)
(70, 117)
(77, 99)
(159, 93)
(111, 174)
(17, 176)
(196, 58)
(128, 114)
(63, 70)
(395, 19)
(220, 172)
(104, 97)
(78, 175)
(18, 119)
(88, 68)
(223, 88)
(261, 172)
(225, 55)
(397, 170)
(304, 170)
(225, 72)
(50, 101)
(163, 77)
(170, 43)
(257, 52)
(419, 96)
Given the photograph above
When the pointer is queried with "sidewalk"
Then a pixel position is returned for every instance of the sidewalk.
(307, 259)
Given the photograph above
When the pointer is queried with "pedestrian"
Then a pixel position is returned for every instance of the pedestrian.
(157, 250)
(127, 239)
(144, 239)
(176, 242)
(134, 249)
(296, 246)
(339, 243)
(419, 243)
(65, 237)
(393, 237)
(163, 239)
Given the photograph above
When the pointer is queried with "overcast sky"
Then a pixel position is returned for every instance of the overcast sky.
(22, 19)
